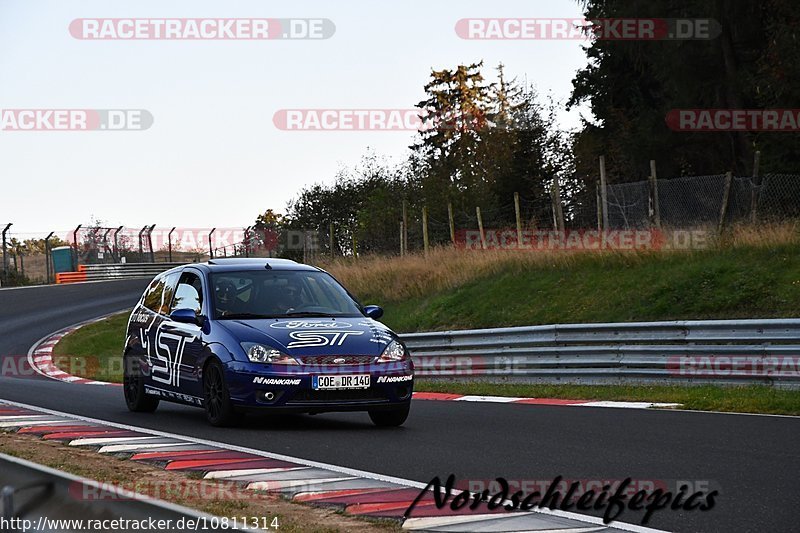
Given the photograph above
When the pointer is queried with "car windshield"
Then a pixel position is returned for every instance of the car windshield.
(279, 294)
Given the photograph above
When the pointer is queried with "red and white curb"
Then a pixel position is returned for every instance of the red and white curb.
(40, 357)
(444, 396)
(354, 492)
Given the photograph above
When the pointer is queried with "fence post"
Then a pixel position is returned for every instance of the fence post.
(402, 249)
(723, 210)
(654, 192)
(756, 186)
(355, 245)
(210, 246)
(599, 207)
(5, 253)
(47, 256)
(141, 247)
(331, 243)
(604, 191)
(480, 228)
(519, 220)
(169, 245)
(116, 243)
(425, 242)
(451, 220)
(75, 241)
(150, 243)
(405, 226)
(106, 247)
(558, 212)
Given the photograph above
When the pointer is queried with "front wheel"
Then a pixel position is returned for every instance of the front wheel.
(390, 417)
(219, 408)
(133, 387)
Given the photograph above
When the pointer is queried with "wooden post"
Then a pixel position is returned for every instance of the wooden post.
(355, 245)
(599, 208)
(405, 226)
(654, 192)
(452, 223)
(558, 211)
(330, 239)
(402, 251)
(604, 191)
(480, 228)
(425, 229)
(519, 220)
(723, 210)
(756, 184)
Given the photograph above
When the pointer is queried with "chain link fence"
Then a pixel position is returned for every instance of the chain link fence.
(684, 203)
(698, 201)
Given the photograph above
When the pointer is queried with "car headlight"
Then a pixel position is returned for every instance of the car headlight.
(394, 352)
(258, 353)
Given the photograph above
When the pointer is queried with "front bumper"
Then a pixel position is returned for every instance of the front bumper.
(255, 386)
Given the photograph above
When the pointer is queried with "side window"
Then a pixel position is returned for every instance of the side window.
(170, 281)
(189, 293)
(152, 298)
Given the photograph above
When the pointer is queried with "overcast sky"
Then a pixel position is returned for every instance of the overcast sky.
(213, 156)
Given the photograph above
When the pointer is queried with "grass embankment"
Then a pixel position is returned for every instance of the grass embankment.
(95, 350)
(748, 274)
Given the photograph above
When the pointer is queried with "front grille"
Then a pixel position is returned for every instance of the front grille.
(332, 359)
(332, 396)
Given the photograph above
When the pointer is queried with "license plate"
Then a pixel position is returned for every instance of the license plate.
(349, 381)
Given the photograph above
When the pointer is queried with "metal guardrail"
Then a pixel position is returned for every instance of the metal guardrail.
(114, 271)
(49, 500)
(714, 351)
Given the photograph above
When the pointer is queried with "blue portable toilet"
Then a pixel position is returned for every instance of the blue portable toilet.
(62, 259)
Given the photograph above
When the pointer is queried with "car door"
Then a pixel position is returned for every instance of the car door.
(182, 343)
(161, 355)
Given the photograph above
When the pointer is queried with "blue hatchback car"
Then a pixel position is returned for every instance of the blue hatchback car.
(238, 335)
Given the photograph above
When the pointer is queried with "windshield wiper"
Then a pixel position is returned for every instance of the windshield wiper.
(235, 316)
(310, 314)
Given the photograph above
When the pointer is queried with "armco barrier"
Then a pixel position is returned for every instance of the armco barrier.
(716, 351)
(34, 497)
(114, 271)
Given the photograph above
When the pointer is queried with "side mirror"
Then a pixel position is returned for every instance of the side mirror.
(186, 316)
(373, 311)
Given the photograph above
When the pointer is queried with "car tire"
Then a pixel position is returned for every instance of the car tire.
(220, 411)
(133, 387)
(391, 417)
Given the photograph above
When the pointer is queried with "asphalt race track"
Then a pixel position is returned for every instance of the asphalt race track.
(754, 461)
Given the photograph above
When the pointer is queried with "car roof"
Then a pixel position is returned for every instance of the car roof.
(238, 264)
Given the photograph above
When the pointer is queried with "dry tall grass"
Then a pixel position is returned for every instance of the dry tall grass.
(394, 278)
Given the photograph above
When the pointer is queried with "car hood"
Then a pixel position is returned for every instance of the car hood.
(315, 336)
